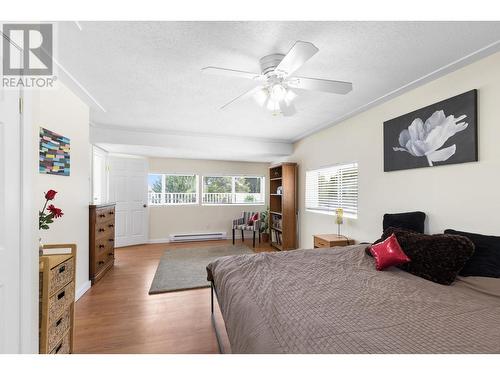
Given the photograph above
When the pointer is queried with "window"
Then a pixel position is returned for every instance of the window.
(172, 189)
(333, 187)
(233, 190)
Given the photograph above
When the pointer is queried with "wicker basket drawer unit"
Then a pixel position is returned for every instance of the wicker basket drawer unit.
(57, 329)
(61, 275)
(63, 346)
(101, 240)
(57, 299)
(60, 301)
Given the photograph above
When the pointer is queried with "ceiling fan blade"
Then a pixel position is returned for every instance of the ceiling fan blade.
(245, 95)
(296, 57)
(287, 109)
(315, 84)
(231, 73)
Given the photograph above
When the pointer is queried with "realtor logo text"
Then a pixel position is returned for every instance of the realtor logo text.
(28, 56)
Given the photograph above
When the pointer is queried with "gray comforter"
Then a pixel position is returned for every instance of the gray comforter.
(334, 301)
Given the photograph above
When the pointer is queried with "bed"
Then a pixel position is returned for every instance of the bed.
(334, 301)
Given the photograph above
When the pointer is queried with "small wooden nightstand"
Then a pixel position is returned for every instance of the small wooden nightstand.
(331, 240)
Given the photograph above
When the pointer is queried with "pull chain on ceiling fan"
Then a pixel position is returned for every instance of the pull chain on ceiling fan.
(278, 87)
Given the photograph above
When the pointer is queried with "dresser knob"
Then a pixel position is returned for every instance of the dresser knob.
(102, 215)
(110, 254)
(101, 229)
(101, 262)
(111, 240)
(101, 246)
(111, 225)
(111, 212)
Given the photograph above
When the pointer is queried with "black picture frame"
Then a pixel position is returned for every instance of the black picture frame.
(416, 147)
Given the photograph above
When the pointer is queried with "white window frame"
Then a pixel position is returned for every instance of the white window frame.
(347, 208)
(163, 201)
(262, 188)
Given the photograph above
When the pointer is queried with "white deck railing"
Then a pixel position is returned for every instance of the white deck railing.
(232, 198)
(208, 198)
(172, 198)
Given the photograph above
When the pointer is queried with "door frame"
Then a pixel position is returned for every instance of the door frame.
(29, 258)
(27, 218)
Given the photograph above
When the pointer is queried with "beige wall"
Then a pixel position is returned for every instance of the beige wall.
(166, 220)
(61, 111)
(462, 196)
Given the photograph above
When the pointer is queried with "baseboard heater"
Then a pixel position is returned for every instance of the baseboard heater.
(198, 237)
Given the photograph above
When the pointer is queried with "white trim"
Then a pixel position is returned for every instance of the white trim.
(78, 84)
(159, 240)
(185, 133)
(167, 240)
(83, 289)
(440, 72)
(29, 258)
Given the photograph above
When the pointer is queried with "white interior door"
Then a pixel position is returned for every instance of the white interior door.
(18, 256)
(128, 188)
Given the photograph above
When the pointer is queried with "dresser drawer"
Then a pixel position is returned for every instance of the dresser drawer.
(104, 245)
(60, 301)
(104, 258)
(60, 275)
(63, 347)
(57, 329)
(105, 214)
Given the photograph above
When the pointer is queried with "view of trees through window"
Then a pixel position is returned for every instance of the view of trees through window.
(233, 189)
(172, 189)
(165, 189)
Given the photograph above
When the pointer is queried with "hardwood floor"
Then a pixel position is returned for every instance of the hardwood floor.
(118, 316)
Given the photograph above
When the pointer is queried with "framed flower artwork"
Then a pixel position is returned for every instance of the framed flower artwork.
(439, 134)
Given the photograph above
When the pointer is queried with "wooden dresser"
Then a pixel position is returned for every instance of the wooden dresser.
(57, 300)
(101, 240)
(331, 240)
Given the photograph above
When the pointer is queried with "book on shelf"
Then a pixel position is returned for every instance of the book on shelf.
(276, 237)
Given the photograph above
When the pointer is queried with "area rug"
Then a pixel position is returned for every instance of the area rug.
(182, 269)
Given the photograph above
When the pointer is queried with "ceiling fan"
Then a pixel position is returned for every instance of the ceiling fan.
(278, 87)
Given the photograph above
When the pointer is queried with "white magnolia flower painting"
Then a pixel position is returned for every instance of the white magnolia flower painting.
(425, 139)
(442, 133)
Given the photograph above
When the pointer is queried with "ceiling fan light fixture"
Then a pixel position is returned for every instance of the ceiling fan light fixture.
(290, 96)
(278, 92)
(277, 76)
(272, 105)
(261, 97)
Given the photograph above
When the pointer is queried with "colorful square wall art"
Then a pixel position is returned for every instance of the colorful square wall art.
(54, 153)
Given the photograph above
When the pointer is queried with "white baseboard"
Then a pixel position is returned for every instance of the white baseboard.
(159, 240)
(80, 292)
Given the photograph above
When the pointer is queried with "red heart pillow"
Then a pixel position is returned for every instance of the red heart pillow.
(388, 253)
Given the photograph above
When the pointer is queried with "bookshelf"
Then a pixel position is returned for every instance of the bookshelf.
(283, 206)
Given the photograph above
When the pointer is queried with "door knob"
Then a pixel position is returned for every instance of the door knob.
(144, 205)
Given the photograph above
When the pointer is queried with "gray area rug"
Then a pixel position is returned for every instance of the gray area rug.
(181, 269)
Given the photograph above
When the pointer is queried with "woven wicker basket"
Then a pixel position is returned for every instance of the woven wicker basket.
(60, 276)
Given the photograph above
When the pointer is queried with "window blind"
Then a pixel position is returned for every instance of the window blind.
(333, 187)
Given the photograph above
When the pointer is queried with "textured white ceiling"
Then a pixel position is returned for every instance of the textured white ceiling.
(147, 74)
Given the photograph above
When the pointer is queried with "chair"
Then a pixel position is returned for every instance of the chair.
(242, 224)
